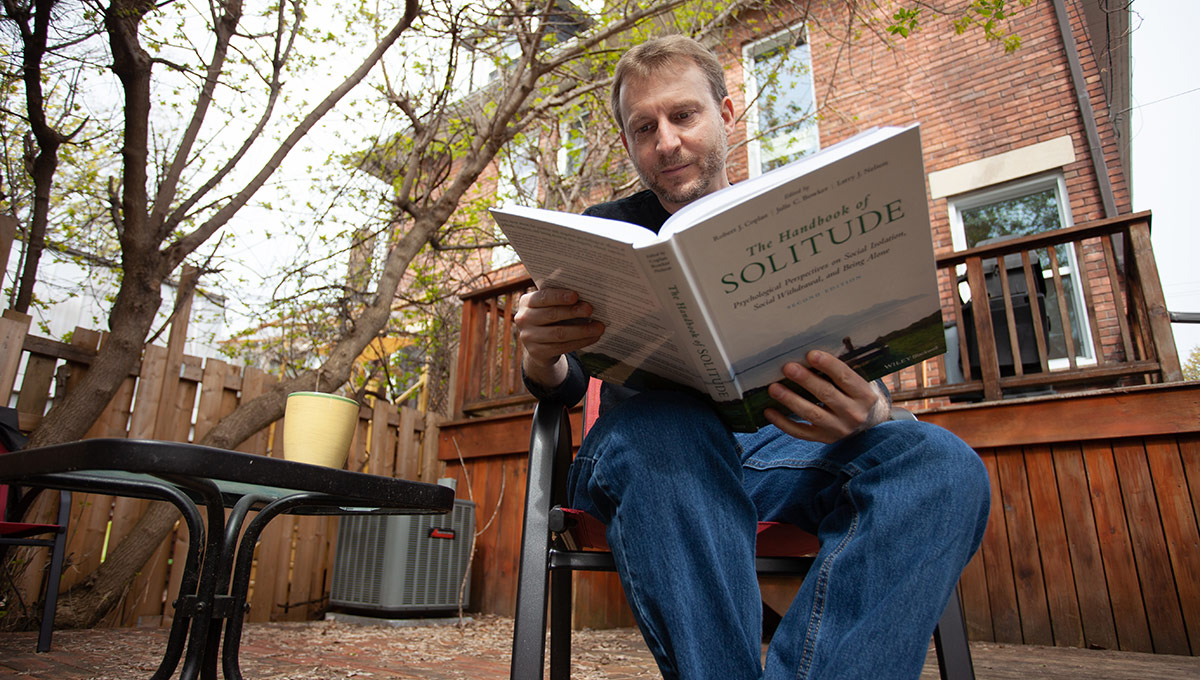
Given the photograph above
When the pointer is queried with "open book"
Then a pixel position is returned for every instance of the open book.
(833, 251)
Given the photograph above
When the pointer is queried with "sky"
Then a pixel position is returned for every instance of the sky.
(1165, 131)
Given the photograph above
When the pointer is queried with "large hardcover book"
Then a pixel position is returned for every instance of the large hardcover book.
(833, 251)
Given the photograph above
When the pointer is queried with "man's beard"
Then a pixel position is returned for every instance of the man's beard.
(710, 165)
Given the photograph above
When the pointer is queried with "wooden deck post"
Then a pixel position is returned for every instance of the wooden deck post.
(1156, 308)
(989, 364)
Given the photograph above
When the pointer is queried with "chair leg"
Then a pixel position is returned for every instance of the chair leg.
(529, 627)
(950, 640)
(56, 563)
(560, 625)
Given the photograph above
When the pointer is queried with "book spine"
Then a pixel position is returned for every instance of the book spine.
(679, 301)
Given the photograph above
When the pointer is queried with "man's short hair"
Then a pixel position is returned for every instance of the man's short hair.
(656, 53)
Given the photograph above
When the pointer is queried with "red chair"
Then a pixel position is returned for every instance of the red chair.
(556, 541)
(13, 531)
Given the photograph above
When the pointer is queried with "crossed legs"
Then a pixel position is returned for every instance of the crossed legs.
(899, 510)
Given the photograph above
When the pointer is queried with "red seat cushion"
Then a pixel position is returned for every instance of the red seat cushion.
(25, 529)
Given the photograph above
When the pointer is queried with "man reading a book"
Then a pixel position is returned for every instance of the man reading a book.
(899, 506)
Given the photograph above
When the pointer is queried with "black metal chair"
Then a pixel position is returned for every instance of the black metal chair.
(14, 531)
(556, 541)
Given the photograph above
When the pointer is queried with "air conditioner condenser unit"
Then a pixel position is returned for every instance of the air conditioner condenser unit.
(403, 564)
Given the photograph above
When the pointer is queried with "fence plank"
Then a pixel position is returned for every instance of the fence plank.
(90, 512)
(1179, 527)
(408, 451)
(1133, 632)
(13, 328)
(154, 577)
(431, 468)
(35, 387)
(383, 457)
(506, 526)
(997, 563)
(279, 560)
(1150, 549)
(1084, 547)
(126, 511)
(976, 608)
(212, 390)
(318, 589)
(267, 573)
(1053, 546)
(255, 382)
(480, 491)
(307, 551)
(1023, 547)
(359, 459)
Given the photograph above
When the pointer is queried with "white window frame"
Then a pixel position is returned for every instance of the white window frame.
(749, 52)
(509, 167)
(1085, 353)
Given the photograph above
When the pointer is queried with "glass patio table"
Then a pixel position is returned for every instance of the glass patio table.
(216, 576)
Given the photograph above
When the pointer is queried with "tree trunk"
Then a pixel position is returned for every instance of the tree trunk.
(86, 603)
(45, 160)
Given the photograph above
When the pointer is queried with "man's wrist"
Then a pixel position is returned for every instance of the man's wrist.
(546, 375)
(567, 388)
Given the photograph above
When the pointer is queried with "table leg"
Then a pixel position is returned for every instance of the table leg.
(201, 607)
(177, 637)
(224, 606)
(241, 577)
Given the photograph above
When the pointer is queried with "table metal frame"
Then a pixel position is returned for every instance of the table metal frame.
(216, 575)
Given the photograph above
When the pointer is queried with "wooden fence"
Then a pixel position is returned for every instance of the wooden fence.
(177, 397)
(1092, 539)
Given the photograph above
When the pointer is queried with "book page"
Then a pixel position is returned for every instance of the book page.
(608, 274)
(839, 259)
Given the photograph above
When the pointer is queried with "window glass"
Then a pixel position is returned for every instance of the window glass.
(1020, 209)
(1020, 216)
(781, 121)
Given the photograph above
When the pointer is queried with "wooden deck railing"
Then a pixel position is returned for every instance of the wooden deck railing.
(1109, 312)
(1114, 329)
(489, 355)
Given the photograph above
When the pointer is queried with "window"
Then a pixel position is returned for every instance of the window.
(781, 115)
(516, 182)
(573, 147)
(1020, 208)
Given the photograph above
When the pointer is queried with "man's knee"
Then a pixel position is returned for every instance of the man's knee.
(943, 461)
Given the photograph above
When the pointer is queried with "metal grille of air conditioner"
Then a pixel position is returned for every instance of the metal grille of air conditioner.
(403, 563)
(358, 563)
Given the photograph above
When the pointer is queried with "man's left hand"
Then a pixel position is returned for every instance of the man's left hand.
(847, 403)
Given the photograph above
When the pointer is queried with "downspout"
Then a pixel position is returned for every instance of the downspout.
(1086, 111)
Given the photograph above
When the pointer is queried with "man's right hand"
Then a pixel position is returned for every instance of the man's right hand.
(551, 323)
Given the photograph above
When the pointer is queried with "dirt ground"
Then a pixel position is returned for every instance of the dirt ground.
(481, 650)
(325, 650)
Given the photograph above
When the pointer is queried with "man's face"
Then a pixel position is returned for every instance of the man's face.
(676, 134)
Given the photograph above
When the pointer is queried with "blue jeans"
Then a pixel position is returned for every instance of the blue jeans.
(899, 510)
